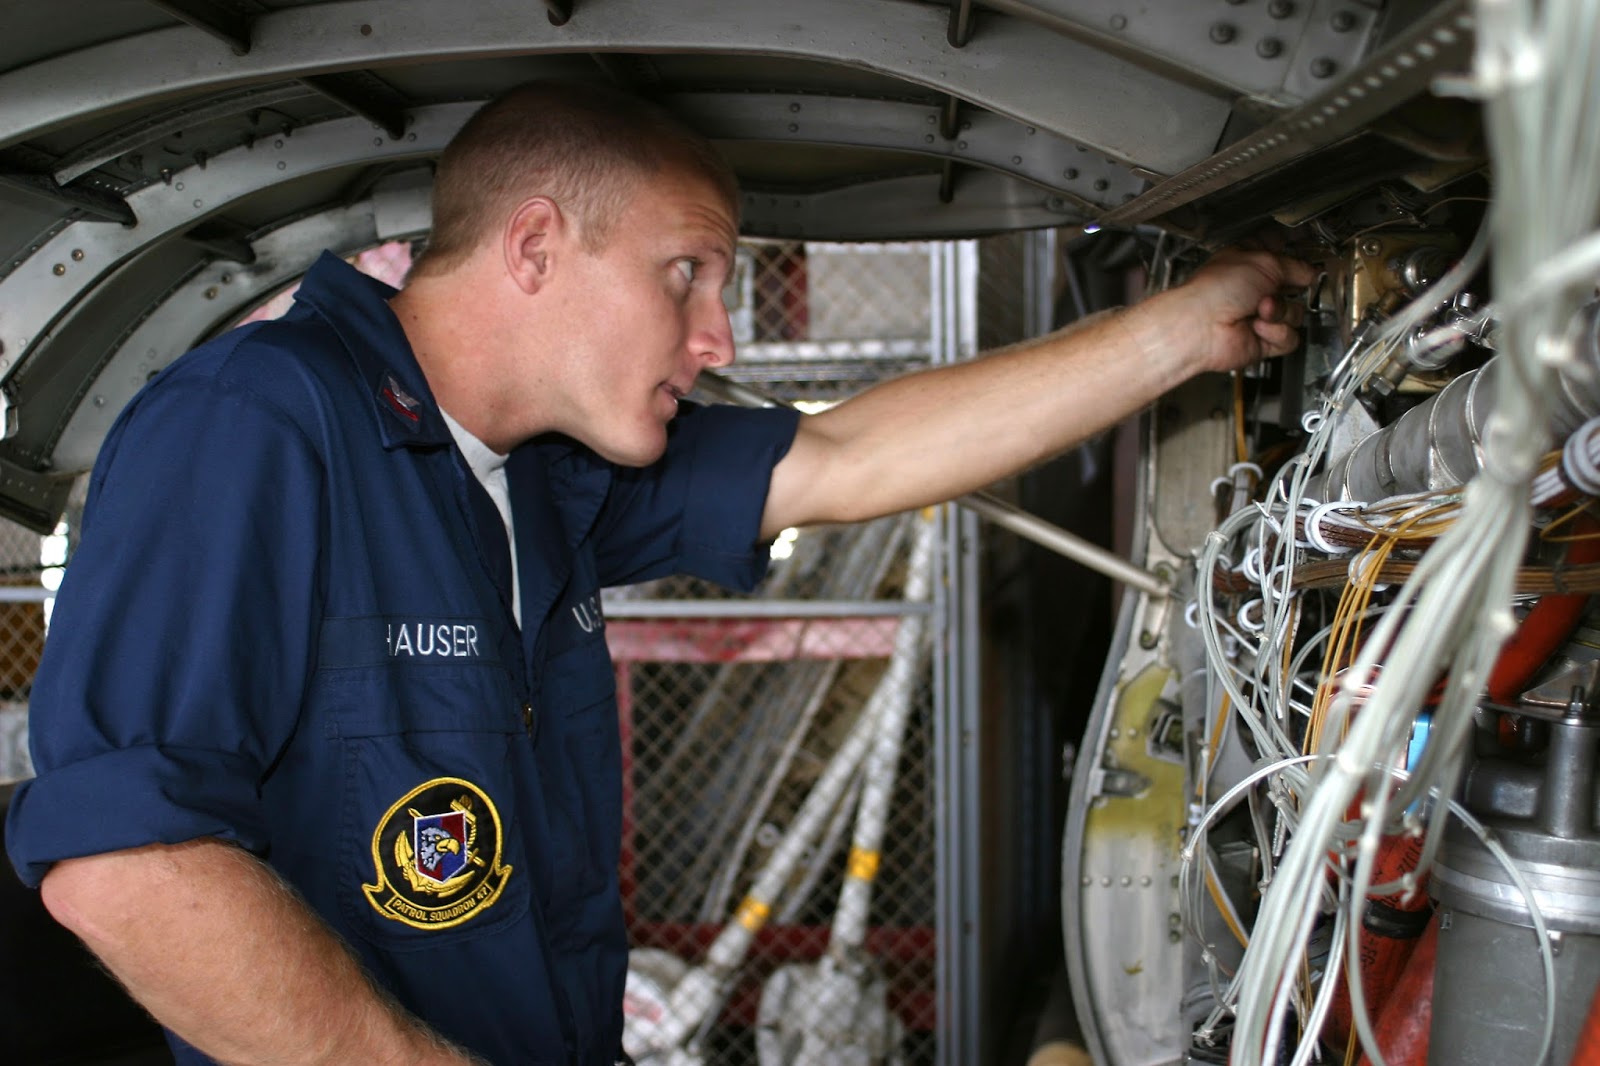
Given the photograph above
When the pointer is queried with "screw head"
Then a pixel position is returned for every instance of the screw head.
(1370, 246)
(1280, 9)
(1269, 48)
(1119, 22)
(1323, 67)
(1223, 32)
(1343, 21)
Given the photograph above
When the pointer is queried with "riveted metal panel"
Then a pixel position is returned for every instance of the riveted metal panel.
(1040, 79)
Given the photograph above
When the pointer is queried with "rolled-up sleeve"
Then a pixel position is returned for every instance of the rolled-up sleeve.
(181, 639)
(698, 509)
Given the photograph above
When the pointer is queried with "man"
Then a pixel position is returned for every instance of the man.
(326, 773)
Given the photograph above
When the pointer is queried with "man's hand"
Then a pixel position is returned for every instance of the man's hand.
(1232, 311)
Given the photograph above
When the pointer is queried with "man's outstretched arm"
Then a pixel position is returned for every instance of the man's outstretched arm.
(217, 948)
(932, 436)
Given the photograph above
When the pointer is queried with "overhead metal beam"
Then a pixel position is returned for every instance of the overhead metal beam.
(35, 294)
(981, 139)
(127, 137)
(217, 292)
(347, 91)
(1281, 51)
(98, 205)
(1108, 102)
(1439, 43)
(223, 23)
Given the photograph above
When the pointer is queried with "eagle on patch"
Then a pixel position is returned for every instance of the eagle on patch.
(436, 852)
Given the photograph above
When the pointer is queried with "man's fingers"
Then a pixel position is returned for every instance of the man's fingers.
(1278, 309)
(1277, 338)
(1297, 273)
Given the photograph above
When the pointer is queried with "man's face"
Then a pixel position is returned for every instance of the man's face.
(647, 316)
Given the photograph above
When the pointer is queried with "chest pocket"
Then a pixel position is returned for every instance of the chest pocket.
(580, 764)
(432, 759)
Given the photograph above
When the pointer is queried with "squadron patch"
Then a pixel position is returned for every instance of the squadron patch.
(437, 856)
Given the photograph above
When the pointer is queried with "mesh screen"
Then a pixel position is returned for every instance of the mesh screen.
(30, 569)
(733, 721)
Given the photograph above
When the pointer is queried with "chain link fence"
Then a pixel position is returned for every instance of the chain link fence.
(738, 722)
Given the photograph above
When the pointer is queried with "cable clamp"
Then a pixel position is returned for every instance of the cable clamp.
(1252, 566)
(1578, 466)
(1313, 530)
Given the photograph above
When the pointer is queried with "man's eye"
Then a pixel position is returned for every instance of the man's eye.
(686, 267)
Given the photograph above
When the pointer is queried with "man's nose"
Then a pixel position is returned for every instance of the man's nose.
(711, 341)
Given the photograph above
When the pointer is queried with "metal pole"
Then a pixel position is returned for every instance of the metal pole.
(996, 510)
(768, 609)
(1058, 540)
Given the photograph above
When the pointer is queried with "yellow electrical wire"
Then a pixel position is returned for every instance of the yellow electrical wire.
(1584, 505)
(1241, 444)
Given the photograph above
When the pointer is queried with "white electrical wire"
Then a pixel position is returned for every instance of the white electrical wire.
(1536, 66)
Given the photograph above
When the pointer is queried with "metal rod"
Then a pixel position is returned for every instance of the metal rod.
(25, 594)
(947, 181)
(1002, 514)
(560, 11)
(949, 114)
(1058, 540)
(619, 609)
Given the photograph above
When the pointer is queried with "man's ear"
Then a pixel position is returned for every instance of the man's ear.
(533, 237)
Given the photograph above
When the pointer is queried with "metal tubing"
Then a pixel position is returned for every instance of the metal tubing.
(1438, 443)
(1058, 540)
(762, 608)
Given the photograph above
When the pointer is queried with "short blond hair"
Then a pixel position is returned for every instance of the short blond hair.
(584, 146)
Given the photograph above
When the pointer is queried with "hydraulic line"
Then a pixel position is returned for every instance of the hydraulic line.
(1404, 1021)
(1547, 626)
(1390, 927)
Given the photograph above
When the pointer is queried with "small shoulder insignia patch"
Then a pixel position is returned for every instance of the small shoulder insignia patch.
(399, 400)
(436, 853)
